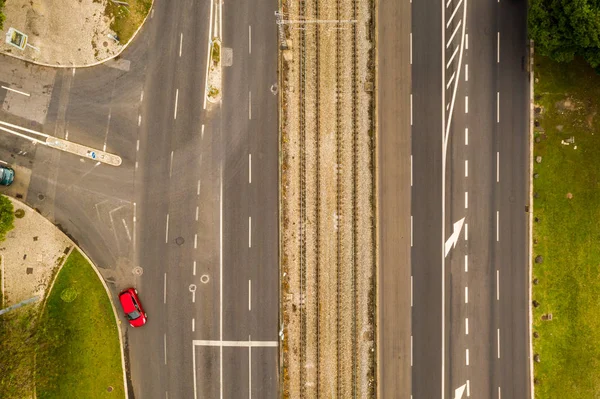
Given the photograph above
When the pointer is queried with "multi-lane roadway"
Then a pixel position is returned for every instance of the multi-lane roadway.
(460, 318)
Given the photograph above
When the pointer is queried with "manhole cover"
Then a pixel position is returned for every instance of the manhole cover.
(179, 241)
(204, 279)
(138, 271)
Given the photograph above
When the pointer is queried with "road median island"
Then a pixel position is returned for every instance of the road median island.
(566, 231)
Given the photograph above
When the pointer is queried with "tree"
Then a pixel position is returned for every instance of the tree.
(7, 216)
(2, 17)
(563, 29)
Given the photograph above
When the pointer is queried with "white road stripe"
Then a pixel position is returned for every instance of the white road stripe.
(249, 294)
(237, 344)
(411, 110)
(197, 208)
(137, 145)
(498, 107)
(498, 49)
(193, 324)
(142, 96)
(466, 104)
(466, 199)
(194, 269)
(466, 136)
(17, 91)
(499, 392)
(450, 80)
(180, 43)
(453, 34)
(167, 230)
(139, 120)
(466, 168)
(176, 100)
(165, 289)
(249, 105)
(497, 284)
(411, 230)
(195, 241)
(411, 351)
(249, 231)
(467, 357)
(467, 295)
(497, 167)
(497, 225)
(411, 170)
(165, 346)
(411, 291)
(452, 57)
(249, 368)
(468, 388)
(171, 165)
(410, 51)
(466, 326)
(498, 343)
(448, 3)
(249, 168)
(202, 133)
(249, 39)
(466, 263)
(466, 232)
(453, 14)
(198, 189)
(466, 72)
(466, 41)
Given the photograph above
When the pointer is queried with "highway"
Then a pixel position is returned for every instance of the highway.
(468, 148)
(191, 216)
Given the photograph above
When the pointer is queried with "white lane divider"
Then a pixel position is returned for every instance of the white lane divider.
(194, 269)
(249, 105)
(498, 333)
(411, 230)
(467, 357)
(180, 43)
(499, 391)
(167, 230)
(466, 326)
(171, 165)
(497, 107)
(197, 209)
(249, 295)
(198, 189)
(466, 72)
(466, 168)
(466, 263)
(497, 284)
(466, 136)
(498, 49)
(452, 57)
(466, 232)
(466, 104)
(249, 168)
(411, 110)
(249, 39)
(450, 80)
(453, 14)
(411, 351)
(411, 170)
(165, 289)
(16, 91)
(249, 231)
(195, 241)
(411, 291)
(410, 50)
(165, 346)
(466, 199)
(497, 225)
(176, 100)
(468, 388)
(466, 41)
(453, 34)
(466, 294)
(497, 167)
(193, 324)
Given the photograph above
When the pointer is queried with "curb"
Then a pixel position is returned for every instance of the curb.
(112, 57)
(376, 183)
(75, 246)
(531, 118)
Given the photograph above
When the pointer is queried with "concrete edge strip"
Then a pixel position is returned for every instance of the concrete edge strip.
(75, 246)
(112, 57)
(531, 119)
(280, 82)
(377, 207)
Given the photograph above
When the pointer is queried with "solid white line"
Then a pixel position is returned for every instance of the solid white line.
(249, 294)
(249, 105)
(249, 39)
(443, 198)
(410, 56)
(193, 327)
(411, 351)
(497, 167)
(249, 231)
(171, 165)
(195, 241)
(180, 43)
(167, 232)
(249, 168)
(450, 80)
(498, 107)
(194, 269)
(466, 263)
(23, 129)
(466, 104)
(466, 136)
(17, 91)
(249, 369)
(176, 99)
(467, 357)
(498, 49)
(411, 170)
(411, 291)
(197, 208)
(165, 346)
(466, 326)
(466, 72)
(165, 289)
(220, 278)
(411, 110)
(237, 344)
(498, 343)
(448, 3)
(497, 225)
(198, 189)
(467, 295)
(468, 388)
(466, 199)
(499, 392)
(411, 230)
(452, 57)
(466, 168)
(497, 284)
(453, 34)
(453, 14)
(466, 232)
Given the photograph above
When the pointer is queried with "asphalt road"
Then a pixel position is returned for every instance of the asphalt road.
(179, 206)
(469, 309)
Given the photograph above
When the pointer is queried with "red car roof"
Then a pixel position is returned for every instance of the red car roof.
(127, 302)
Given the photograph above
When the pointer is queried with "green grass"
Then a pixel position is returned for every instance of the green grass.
(568, 233)
(126, 20)
(79, 354)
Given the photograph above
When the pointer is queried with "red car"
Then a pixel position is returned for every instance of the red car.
(130, 302)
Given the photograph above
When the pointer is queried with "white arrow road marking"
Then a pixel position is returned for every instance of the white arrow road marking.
(451, 242)
(458, 393)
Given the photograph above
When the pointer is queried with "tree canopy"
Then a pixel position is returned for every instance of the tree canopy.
(563, 29)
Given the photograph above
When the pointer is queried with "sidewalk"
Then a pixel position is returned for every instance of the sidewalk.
(65, 33)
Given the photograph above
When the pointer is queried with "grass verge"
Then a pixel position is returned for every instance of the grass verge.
(127, 19)
(567, 233)
(79, 354)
